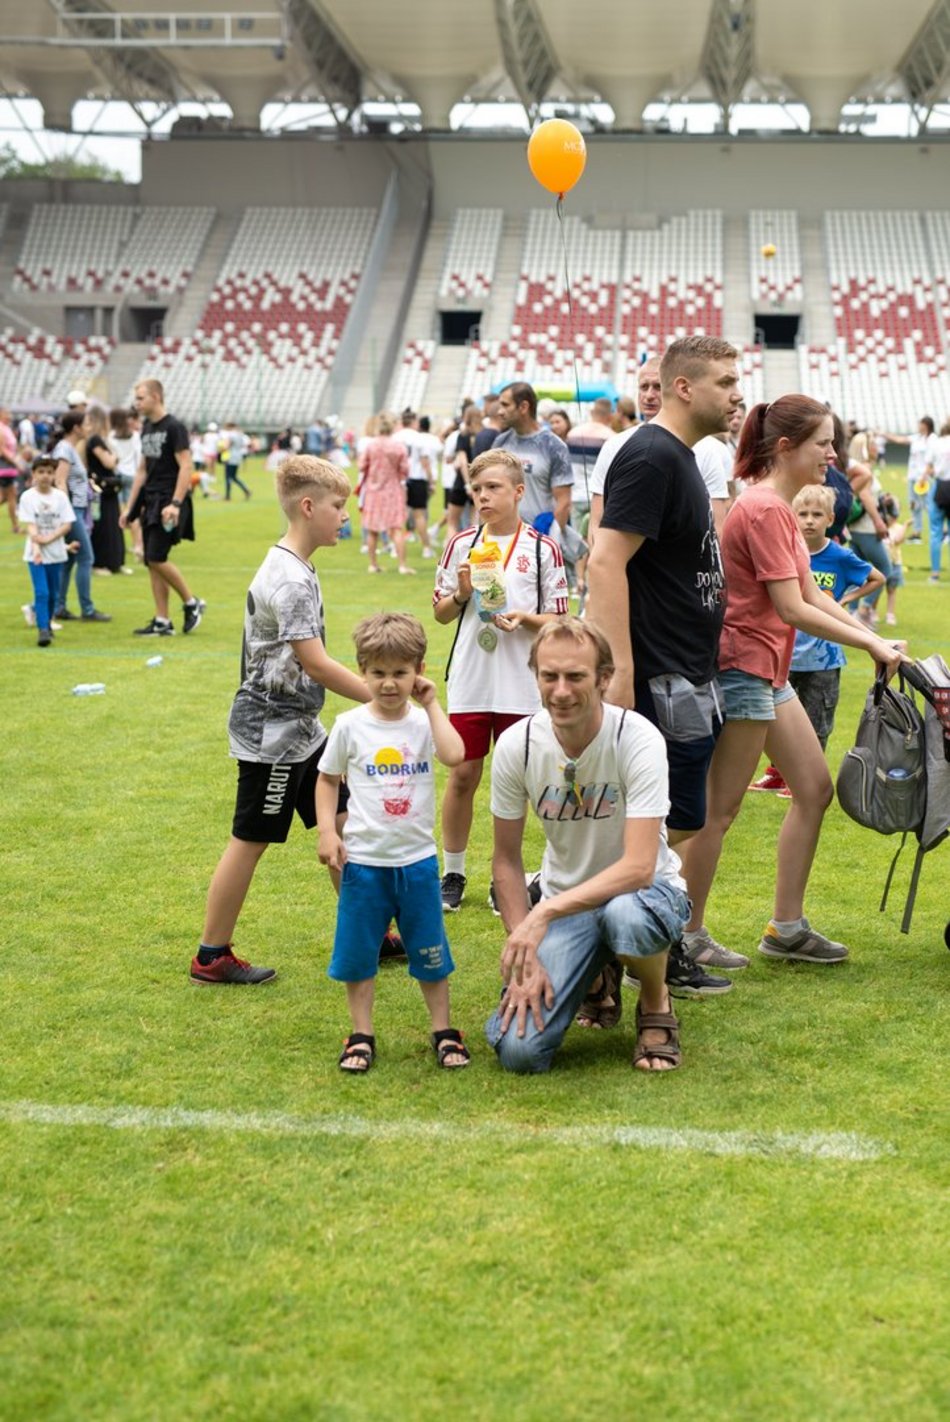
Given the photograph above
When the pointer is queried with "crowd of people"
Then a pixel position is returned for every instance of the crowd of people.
(720, 559)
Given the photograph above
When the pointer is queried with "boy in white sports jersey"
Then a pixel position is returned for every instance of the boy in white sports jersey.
(386, 855)
(491, 685)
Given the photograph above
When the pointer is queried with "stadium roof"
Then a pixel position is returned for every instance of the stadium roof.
(436, 53)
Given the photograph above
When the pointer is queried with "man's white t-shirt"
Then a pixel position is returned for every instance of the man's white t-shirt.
(428, 445)
(622, 775)
(715, 464)
(26, 433)
(500, 680)
(448, 455)
(390, 773)
(45, 512)
(608, 451)
(412, 439)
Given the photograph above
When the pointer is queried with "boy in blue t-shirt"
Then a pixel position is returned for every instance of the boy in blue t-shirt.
(816, 663)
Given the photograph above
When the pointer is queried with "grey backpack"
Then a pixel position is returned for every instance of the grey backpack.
(893, 779)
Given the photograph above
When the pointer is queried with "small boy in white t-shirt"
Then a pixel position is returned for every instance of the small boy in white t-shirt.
(47, 515)
(386, 856)
(491, 685)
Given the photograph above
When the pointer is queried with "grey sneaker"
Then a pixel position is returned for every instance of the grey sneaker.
(806, 947)
(703, 949)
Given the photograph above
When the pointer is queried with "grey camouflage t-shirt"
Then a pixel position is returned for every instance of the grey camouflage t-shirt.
(275, 717)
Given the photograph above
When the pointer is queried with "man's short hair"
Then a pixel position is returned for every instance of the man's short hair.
(154, 387)
(523, 394)
(821, 494)
(602, 409)
(627, 407)
(580, 632)
(690, 356)
(306, 474)
(390, 634)
(497, 459)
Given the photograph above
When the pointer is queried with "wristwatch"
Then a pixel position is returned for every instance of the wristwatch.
(176, 503)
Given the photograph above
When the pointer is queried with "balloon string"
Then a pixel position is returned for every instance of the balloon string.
(570, 311)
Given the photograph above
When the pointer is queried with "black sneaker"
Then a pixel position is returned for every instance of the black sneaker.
(532, 884)
(158, 627)
(193, 611)
(96, 616)
(44, 638)
(453, 891)
(63, 614)
(684, 978)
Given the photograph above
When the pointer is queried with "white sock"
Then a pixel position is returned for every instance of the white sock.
(453, 863)
(691, 934)
(790, 928)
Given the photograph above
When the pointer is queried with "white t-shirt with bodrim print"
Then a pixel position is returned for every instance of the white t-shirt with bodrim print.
(275, 716)
(622, 775)
(390, 774)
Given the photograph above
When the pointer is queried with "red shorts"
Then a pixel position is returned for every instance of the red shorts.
(479, 728)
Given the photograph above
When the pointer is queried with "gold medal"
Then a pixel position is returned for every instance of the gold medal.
(487, 639)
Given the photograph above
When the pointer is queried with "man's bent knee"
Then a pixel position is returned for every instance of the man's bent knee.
(524, 1055)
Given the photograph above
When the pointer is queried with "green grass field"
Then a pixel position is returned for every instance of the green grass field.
(202, 1218)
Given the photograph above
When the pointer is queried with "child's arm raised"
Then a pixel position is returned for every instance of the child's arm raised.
(330, 847)
(320, 666)
(449, 746)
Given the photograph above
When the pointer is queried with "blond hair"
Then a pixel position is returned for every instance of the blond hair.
(305, 474)
(497, 459)
(822, 496)
(154, 387)
(398, 635)
(580, 632)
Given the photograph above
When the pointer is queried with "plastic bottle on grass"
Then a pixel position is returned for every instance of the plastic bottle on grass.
(89, 688)
(154, 662)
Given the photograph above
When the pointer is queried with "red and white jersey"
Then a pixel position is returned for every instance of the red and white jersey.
(499, 679)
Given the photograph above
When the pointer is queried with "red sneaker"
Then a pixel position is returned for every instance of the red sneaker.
(228, 969)
(771, 780)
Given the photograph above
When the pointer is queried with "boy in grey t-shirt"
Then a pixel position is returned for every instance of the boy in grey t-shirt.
(274, 729)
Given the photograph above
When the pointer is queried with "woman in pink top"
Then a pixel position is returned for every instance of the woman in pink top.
(384, 467)
(771, 593)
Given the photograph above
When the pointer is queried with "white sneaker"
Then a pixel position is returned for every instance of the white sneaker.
(427, 553)
(29, 614)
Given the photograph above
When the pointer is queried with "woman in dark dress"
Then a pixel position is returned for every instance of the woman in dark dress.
(108, 544)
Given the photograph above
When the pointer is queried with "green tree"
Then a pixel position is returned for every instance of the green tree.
(89, 169)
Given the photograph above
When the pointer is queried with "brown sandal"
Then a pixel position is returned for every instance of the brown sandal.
(669, 1051)
(596, 1010)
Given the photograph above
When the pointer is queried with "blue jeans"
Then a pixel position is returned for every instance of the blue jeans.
(83, 561)
(572, 953)
(45, 579)
(939, 525)
(874, 551)
(232, 475)
(915, 505)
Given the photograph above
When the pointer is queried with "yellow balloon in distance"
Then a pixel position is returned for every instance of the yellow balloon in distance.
(768, 250)
(557, 155)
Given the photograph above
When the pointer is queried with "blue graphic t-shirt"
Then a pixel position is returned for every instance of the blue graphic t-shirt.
(835, 570)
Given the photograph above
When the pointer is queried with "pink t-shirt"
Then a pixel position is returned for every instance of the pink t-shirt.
(761, 544)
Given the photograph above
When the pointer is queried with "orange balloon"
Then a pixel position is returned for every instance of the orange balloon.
(557, 155)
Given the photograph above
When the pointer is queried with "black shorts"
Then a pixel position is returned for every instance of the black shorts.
(457, 496)
(417, 493)
(688, 756)
(268, 795)
(157, 543)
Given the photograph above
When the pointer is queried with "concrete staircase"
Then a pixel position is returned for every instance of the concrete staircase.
(121, 372)
(738, 323)
(422, 318)
(497, 317)
(183, 316)
(818, 327)
(445, 383)
(780, 373)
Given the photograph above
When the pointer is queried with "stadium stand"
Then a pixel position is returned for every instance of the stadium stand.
(671, 286)
(269, 333)
(71, 247)
(408, 387)
(752, 375)
(471, 251)
(775, 280)
(163, 250)
(40, 366)
(888, 363)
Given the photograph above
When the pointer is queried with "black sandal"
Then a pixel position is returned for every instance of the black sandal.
(448, 1043)
(361, 1048)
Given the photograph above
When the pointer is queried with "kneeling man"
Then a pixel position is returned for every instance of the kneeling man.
(596, 777)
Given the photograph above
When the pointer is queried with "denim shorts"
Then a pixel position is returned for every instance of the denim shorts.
(371, 896)
(751, 698)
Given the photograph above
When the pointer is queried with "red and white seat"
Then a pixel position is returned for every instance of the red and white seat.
(776, 280)
(43, 367)
(471, 252)
(408, 387)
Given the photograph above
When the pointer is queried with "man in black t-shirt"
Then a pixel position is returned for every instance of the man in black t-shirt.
(161, 498)
(657, 535)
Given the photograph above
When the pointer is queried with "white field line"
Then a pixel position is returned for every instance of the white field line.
(812, 1145)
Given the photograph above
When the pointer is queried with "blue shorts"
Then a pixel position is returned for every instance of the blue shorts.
(371, 896)
(751, 698)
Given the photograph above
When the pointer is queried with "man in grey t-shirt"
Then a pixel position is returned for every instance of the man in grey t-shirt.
(548, 475)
